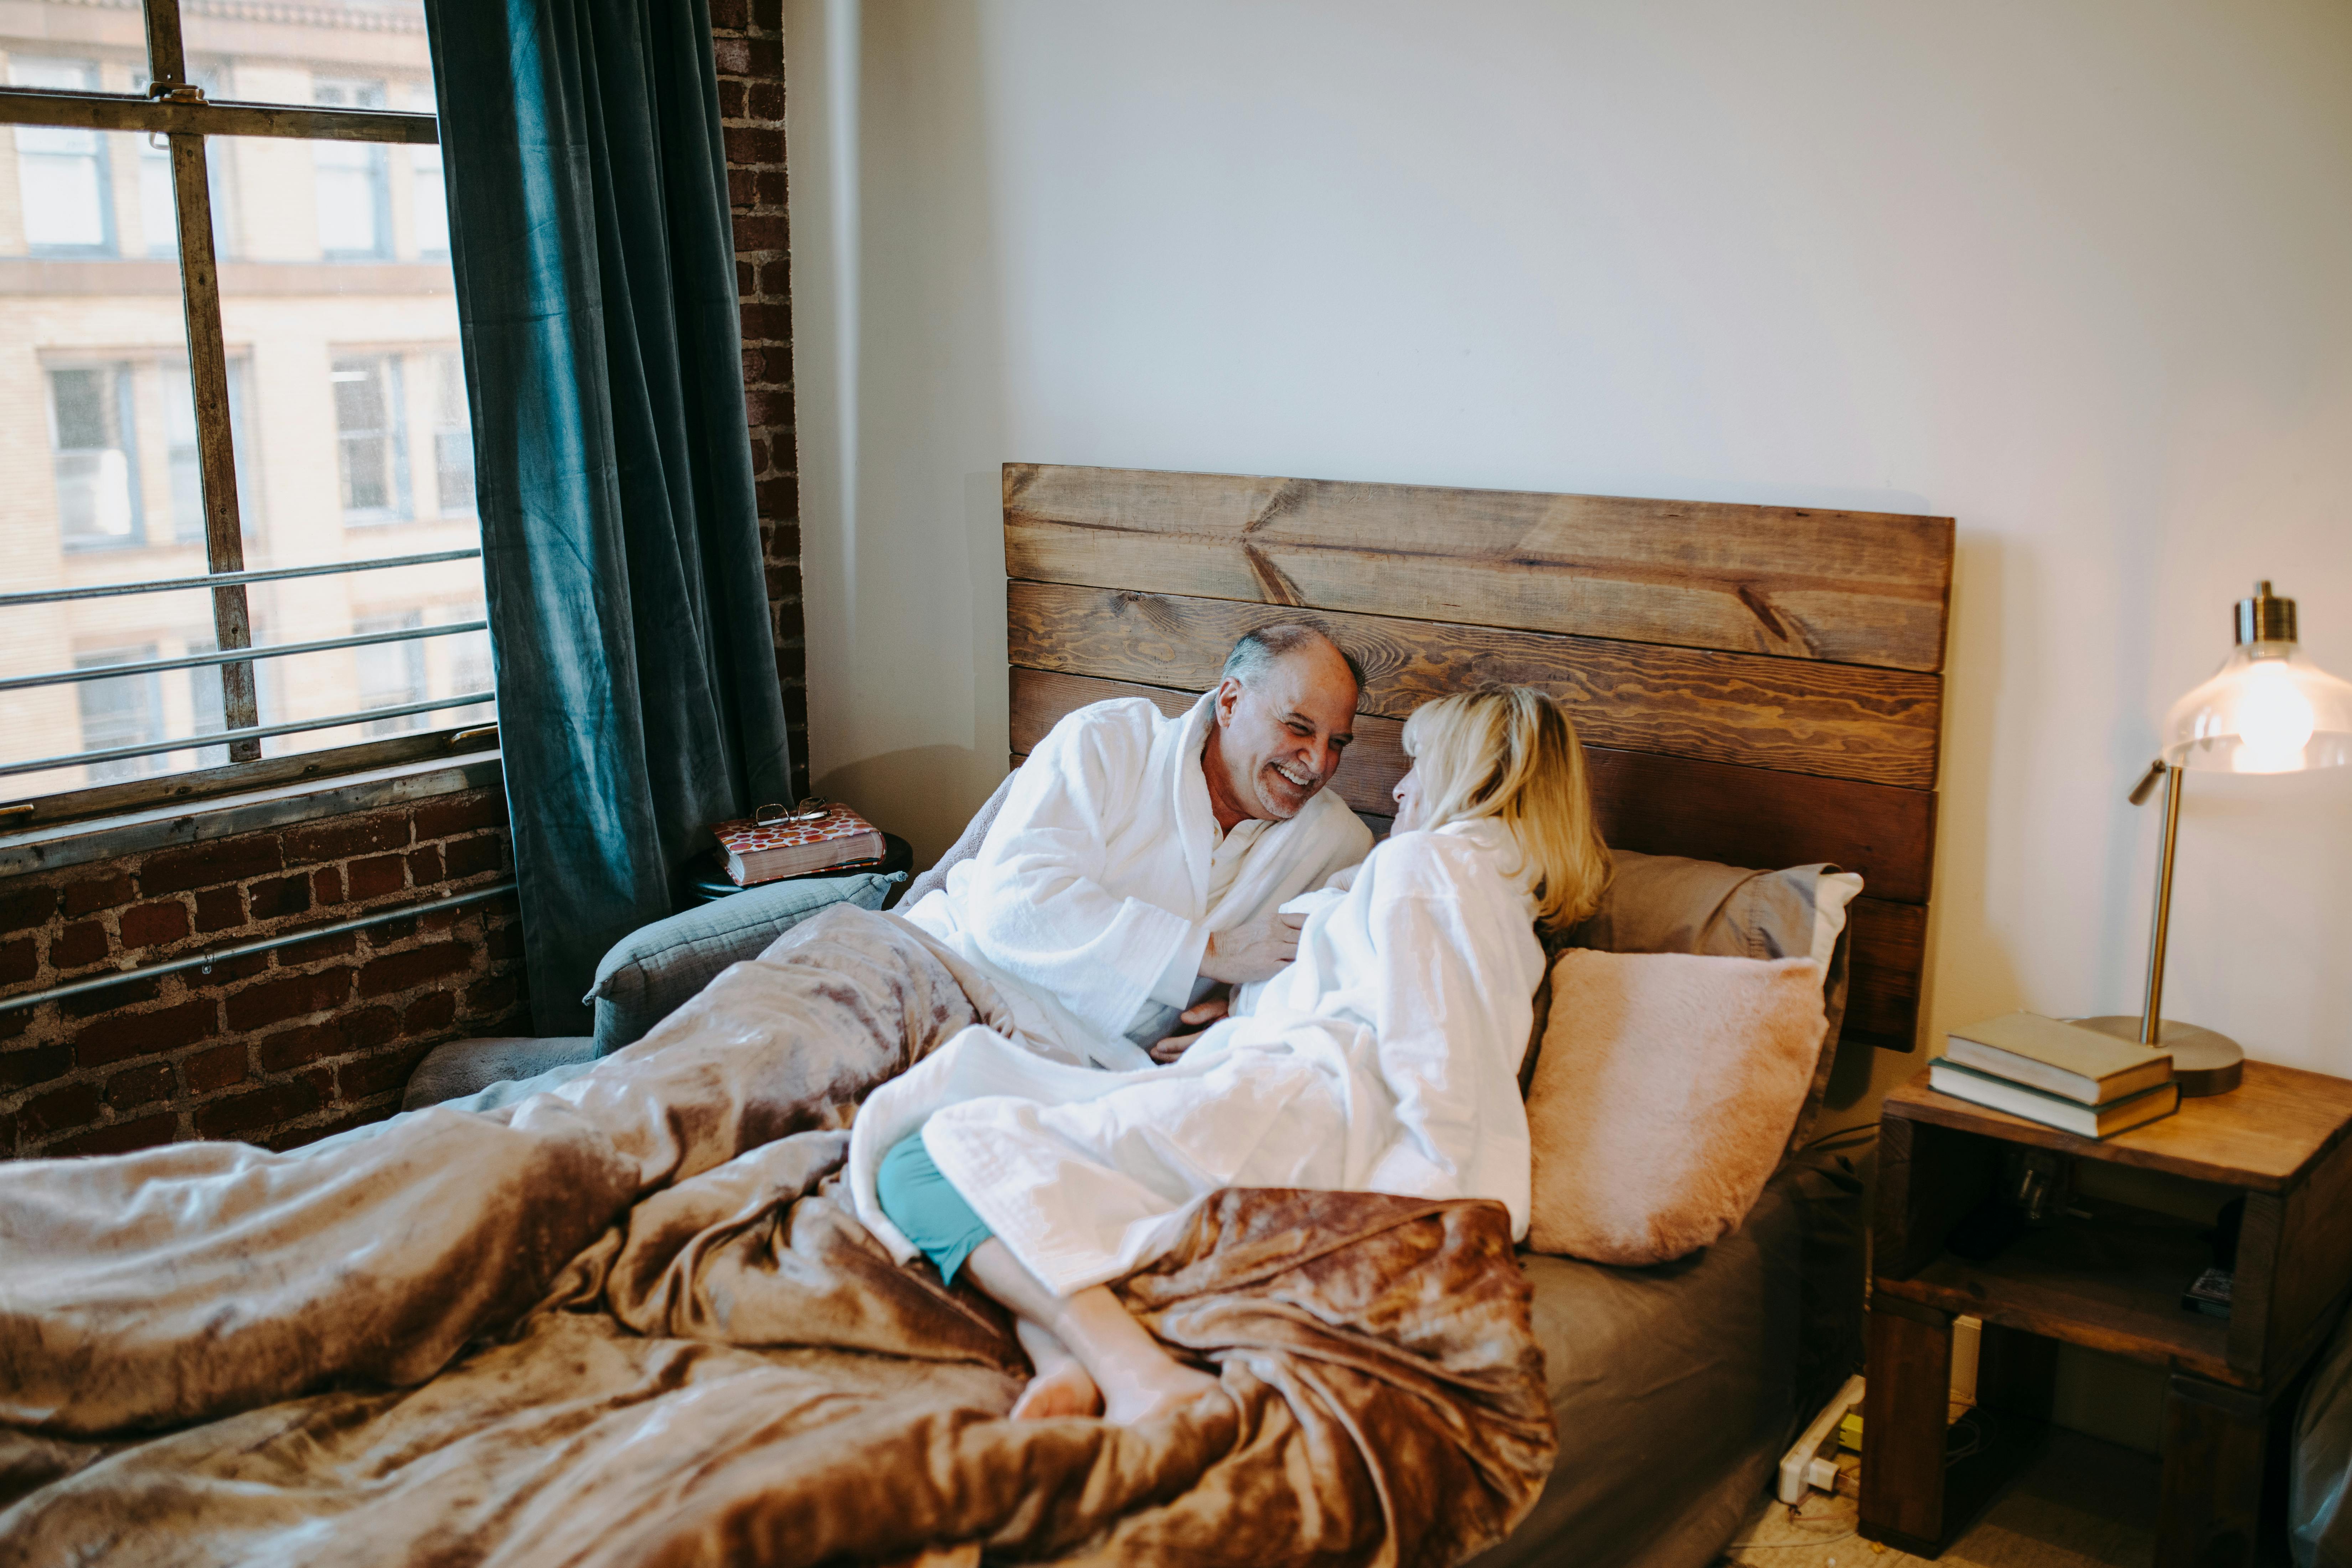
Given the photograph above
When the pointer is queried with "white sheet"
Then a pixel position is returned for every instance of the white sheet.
(1386, 1059)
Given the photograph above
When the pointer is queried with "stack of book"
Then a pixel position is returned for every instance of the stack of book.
(793, 845)
(2057, 1073)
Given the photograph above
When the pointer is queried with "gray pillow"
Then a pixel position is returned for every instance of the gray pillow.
(1664, 903)
(656, 968)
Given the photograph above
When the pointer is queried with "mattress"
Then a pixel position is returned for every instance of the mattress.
(1677, 1388)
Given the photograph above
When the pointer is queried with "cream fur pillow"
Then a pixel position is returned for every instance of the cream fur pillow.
(1663, 1097)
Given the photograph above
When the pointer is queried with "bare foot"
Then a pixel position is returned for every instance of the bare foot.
(1063, 1389)
(1154, 1392)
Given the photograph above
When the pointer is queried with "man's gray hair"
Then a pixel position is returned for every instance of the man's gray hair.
(1257, 651)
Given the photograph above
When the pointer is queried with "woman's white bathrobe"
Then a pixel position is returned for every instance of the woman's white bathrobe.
(1385, 1059)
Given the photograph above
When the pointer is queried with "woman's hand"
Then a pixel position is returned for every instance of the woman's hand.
(1199, 1015)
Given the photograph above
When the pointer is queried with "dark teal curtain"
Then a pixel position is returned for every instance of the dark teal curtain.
(638, 693)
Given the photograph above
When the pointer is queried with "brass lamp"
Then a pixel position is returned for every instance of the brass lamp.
(2268, 709)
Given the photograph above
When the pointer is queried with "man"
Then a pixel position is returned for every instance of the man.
(1139, 862)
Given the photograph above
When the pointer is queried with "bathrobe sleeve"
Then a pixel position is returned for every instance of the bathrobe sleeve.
(1455, 965)
(1044, 915)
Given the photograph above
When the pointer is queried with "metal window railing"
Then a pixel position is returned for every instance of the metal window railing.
(240, 735)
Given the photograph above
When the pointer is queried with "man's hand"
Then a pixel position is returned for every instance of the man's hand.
(1256, 952)
(1199, 1015)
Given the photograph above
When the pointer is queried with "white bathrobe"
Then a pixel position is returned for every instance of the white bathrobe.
(1385, 1059)
(1093, 897)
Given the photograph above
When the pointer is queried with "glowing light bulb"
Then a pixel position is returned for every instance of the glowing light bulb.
(2274, 721)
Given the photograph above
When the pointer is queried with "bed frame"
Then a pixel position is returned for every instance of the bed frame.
(1756, 685)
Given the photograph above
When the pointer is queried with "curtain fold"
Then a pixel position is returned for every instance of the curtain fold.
(638, 701)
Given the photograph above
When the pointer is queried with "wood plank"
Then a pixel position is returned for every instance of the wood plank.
(1905, 1396)
(2209, 1504)
(1795, 715)
(1650, 804)
(1854, 587)
(2263, 1135)
(1886, 953)
(2296, 1250)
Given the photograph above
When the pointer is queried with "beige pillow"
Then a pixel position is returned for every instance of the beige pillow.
(1663, 1097)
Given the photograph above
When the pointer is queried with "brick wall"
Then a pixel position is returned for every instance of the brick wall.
(278, 1047)
(290, 1046)
(748, 39)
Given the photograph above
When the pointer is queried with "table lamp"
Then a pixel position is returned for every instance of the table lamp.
(2268, 709)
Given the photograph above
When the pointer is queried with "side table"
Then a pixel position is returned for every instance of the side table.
(2109, 1282)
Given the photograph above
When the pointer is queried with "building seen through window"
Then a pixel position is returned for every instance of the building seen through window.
(346, 410)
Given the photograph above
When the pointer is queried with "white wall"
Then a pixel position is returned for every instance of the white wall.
(2078, 276)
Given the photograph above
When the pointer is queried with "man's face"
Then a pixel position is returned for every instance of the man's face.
(1279, 738)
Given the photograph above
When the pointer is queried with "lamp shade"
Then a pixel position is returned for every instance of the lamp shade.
(2268, 709)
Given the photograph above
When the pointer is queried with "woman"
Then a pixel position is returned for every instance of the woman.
(1385, 1059)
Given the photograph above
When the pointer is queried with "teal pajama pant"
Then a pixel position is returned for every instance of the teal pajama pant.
(927, 1208)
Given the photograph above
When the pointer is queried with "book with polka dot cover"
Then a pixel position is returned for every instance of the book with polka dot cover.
(766, 851)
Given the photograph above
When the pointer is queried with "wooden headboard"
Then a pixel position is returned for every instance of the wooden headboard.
(1755, 684)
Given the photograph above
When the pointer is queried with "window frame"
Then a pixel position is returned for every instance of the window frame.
(175, 106)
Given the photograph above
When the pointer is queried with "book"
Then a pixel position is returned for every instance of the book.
(1949, 1076)
(2061, 1059)
(2209, 1293)
(766, 851)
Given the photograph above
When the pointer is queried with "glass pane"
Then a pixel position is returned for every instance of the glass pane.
(304, 45)
(360, 435)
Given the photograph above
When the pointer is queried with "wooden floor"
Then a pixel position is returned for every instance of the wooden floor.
(2084, 1502)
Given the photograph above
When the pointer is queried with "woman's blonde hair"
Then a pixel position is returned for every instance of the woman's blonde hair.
(1512, 754)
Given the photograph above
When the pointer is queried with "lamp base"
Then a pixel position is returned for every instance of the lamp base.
(2204, 1062)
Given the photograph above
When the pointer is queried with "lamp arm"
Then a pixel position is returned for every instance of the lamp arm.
(2151, 1015)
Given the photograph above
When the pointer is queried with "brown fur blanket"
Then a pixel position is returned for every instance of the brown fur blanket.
(626, 1322)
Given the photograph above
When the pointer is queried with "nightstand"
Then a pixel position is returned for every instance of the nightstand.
(2110, 1282)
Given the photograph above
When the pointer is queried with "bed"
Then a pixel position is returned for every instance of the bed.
(1759, 686)
(659, 1338)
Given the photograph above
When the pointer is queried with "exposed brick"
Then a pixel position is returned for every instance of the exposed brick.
(60, 1110)
(734, 58)
(215, 1068)
(22, 909)
(24, 1069)
(235, 1114)
(344, 836)
(77, 946)
(731, 100)
(430, 1013)
(765, 100)
(327, 885)
(279, 897)
(730, 16)
(8, 1133)
(121, 1137)
(19, 960)
(127, 1035)
(151, 925)
(13, 1023)
(375, 876)
(277, 1001)
(140, 1085)
(765, 232)
(425, 867)
(365, 1075)
(219, 908)
(287, 1137)
(406, 971)
(366, 1027)
(494, 994)
(95, 893)
(460, 814)
(209, 865)
(111, 998)
(290, 1049)
(298, 954)
(472, 857)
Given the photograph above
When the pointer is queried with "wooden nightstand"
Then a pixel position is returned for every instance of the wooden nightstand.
(2112, 1282)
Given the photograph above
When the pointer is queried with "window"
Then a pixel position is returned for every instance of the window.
(126, 710)
(428, 200)
(91, 427)
(354, 206)
(392, 674)
(143, 655)
(371, 438)
(453, 437)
